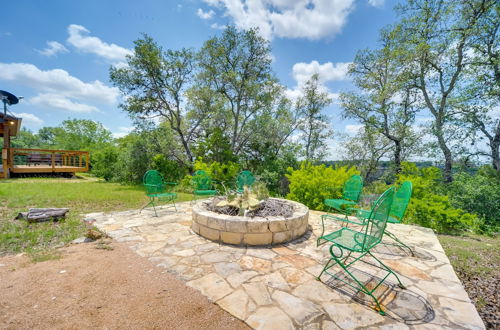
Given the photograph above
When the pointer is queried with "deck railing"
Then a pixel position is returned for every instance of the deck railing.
(52, 160)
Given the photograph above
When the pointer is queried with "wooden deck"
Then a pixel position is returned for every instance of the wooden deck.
(46, 169)
(36, 161)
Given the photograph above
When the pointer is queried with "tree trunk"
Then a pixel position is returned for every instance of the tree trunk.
(495, 152)
(397, 156)
(448, 159)
(46, 214)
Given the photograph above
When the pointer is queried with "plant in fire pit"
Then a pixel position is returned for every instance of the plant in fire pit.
(249, 200)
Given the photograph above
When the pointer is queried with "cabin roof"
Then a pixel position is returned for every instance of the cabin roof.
(13, 122)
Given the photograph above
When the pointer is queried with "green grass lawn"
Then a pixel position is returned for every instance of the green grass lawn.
(81, 196)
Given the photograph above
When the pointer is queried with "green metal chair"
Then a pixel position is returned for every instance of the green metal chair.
(157, 188)
(203, 185)
(399, 206)
(361, 243)
(245, 178)
(351, 192)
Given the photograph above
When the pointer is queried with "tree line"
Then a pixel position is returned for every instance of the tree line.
(430, 89)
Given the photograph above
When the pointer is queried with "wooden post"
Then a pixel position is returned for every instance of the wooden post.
(81, 159)
(53, 159)
(87, 161)
(5, 151)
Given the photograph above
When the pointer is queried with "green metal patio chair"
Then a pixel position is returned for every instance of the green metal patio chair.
(245, 178)
(203, 185)
(157, 188)
(361, 242)
(351, 192)
(399, 206)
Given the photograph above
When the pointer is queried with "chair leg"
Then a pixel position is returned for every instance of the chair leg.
(150, 202)
(154, 208)
(360, 287)
(400, 243)
(173, 202)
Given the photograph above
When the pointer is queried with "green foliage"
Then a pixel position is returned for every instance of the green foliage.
(479, 194)
(26, 139)
(311, 185)
(171, 170)
(81, 134)
(222, 173)
(104, 162)
(428, 207)
(216, 147)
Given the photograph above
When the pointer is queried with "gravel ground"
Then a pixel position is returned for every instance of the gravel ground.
(91, 288)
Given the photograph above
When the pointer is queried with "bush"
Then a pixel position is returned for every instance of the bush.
(221, 173)
(479, 194)
(311, 185)
(104, 163)
(171, 170)
(430, 208)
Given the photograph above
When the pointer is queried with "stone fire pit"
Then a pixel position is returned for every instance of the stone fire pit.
(240, 230)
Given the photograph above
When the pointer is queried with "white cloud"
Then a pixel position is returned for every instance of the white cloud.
(376, 3)
(353, 129)
(205, 14)
(58, 89)
(328, 71)
(79, 39)
(58, 81)
(311, 19)
(217, 26)
(50, 101)
(122, 131)
(29, 118)
(53, 48)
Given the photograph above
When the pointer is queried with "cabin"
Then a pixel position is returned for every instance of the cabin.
(18, 161)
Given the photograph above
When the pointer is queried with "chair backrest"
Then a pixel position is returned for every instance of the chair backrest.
(245, 178)
(352, 188)
(377, 221)
(202, 180)
(153, 182)
(401, 200)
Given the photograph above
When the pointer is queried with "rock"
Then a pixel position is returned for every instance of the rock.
(302, 311)
(80, 240)
(352, 316)
(257, 264)
(225, 269)
(238, 278)
(270, 318)
(296, 260)
(235, 303)
(212, 285)
(258, 292)
(316, 291)
(263, 253)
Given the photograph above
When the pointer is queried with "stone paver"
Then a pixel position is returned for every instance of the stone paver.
(276, 287)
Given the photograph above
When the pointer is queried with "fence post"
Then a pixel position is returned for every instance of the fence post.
(53, 158)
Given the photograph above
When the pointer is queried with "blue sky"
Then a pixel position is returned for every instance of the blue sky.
(57, 53)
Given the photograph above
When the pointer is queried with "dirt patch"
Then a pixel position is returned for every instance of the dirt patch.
(100, 288)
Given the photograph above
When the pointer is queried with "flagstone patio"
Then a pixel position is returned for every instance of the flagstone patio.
(275, 287)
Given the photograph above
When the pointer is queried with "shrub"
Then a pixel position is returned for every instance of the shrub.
(430, 208)
(220, 172)
(311, 185)
(170, 169)
(104, 162)
(479, 194)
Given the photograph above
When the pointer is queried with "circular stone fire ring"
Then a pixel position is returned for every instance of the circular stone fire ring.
(240, 230)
